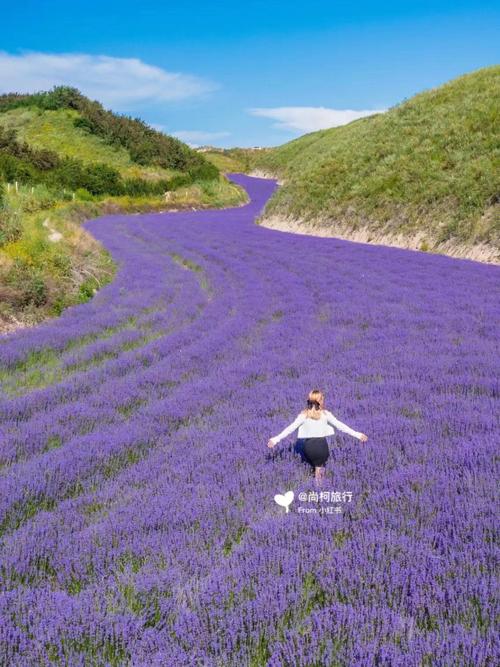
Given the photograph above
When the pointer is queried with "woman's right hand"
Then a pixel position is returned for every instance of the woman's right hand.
(363, 437)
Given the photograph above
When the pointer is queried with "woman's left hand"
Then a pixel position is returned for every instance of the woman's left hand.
(271, 443)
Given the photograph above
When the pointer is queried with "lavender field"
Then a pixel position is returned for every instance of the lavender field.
(137, 517)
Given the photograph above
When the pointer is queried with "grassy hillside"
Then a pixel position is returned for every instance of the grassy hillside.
(56, 131)
(427, 166)
(232, 160)
(61, 138)
(63, 159)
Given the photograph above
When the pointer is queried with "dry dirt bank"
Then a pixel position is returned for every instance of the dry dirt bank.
(479, 253)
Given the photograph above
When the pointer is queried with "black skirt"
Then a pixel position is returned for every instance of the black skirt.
(316, 451)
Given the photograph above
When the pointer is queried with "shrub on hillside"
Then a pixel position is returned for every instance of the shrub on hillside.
(19, 162)
(203, 172)
(10, 226)
(38, 158)
(135, 187)
(27, 284)
(15, 169)
(179, 181)
(83, 195)
(100, 179)
(145, 145)
(96, 178)
(83, 124)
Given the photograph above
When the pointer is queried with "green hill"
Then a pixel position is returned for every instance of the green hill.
(63, 159)
(59, 137)
(55, 130)
(234, 159)
(427, 170)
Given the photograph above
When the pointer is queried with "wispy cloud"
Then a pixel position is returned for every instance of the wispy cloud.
(116, 82)
(196, 137)
(310, 119)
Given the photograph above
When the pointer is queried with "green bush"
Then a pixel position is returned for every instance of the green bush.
(37, 158)
(83, 195)
(204, 172)
(11, 225)
(97, 178)
(28, 282)
(102, 179)
(10, 219)
(83, 124)
(135, 187)
(13, 169)
(86, 290)
(59, 304)
(179, 181)
(60, 262)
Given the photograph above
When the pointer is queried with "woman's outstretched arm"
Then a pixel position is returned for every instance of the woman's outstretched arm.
(343, 427)
(286, 431)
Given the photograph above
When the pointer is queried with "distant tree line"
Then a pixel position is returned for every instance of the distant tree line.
(145, 145)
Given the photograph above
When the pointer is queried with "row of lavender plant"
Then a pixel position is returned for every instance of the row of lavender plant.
(148, 534)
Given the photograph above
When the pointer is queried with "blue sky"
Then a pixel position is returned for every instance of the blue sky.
(259, 74)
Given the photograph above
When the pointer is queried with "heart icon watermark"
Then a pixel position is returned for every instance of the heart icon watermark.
(285, 499)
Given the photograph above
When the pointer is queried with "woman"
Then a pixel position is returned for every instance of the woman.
(315, 423)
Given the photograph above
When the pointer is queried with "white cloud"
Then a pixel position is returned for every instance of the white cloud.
(116, 82)
(191, 136)
(310, 119)
(199, 136)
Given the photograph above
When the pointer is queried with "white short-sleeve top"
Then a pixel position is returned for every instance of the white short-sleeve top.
(316, 428)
